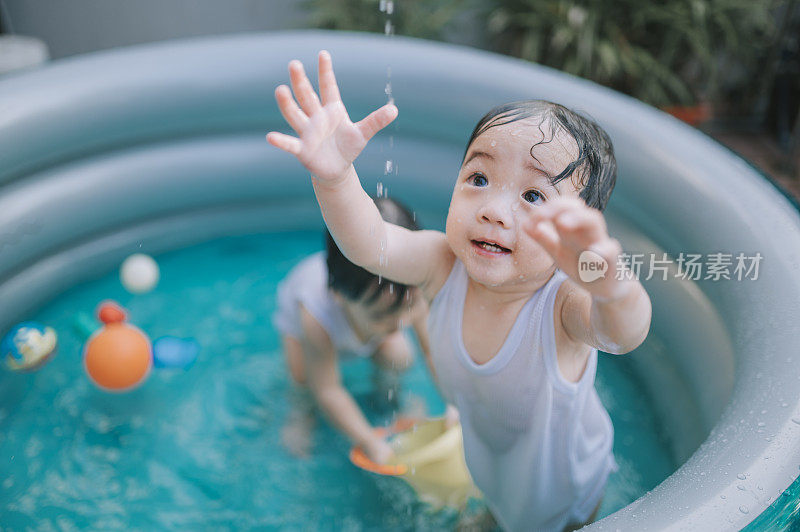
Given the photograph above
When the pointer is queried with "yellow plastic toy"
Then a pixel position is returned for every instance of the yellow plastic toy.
(430, 457)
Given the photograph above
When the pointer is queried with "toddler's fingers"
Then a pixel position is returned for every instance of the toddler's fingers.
(610, 249)
(293, 115)
(546, 235)
(582, 227)
(553, 207)
(302, 88)
(557, 205)
(328, 88)
(377, 120)
(285, 142)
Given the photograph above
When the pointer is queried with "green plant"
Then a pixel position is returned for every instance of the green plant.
(663, 53)
(426, 19)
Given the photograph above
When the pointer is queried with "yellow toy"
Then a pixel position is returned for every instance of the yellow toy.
(430, 457)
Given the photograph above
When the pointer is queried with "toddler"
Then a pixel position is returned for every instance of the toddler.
(330, 309)
(514, 330)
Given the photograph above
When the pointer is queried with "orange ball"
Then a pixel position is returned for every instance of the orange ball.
(119, 356)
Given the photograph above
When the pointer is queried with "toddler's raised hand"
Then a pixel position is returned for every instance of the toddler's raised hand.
(565, 228)
(328, 141)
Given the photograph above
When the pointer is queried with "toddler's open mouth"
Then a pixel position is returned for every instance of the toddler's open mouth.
(490, 247)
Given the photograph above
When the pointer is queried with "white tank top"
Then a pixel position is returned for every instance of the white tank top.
(307, 283)
(538, 446)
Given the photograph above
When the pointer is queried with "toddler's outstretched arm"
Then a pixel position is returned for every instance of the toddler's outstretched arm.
(328, 144)
(609, 313)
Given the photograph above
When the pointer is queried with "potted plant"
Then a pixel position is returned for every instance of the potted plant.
(671, 54)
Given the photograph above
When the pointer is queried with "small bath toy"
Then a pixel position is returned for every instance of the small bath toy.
(139, 273)
(430, 457)
(28, 346)
(118, 357)
(173, 352)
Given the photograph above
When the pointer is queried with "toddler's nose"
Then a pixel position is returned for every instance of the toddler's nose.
(495, 212)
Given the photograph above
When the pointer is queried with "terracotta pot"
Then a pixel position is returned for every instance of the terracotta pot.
(691, 114)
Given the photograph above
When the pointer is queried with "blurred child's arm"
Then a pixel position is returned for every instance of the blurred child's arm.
(328, 144)
(420, 325)
(610, 313)
(325, 382)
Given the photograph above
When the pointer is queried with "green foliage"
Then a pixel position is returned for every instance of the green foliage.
(425, 19)
(662, 52)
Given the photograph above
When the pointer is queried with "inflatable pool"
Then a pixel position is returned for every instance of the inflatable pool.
(164, 144)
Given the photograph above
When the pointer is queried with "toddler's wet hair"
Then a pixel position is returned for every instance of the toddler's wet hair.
(595, 166)
(354, 282)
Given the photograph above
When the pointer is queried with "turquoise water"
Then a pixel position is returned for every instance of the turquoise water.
(783, 515)
(201, 448)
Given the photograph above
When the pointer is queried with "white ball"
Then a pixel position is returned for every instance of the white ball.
(139, 273)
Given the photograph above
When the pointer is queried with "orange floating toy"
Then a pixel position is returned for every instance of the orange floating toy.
(118, 357)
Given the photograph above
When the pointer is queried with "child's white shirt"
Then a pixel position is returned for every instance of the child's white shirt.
(538, 446)
(307, 284)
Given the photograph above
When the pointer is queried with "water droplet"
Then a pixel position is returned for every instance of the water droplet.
(763, 411)
(741, 487)
(743, 509)
(388, 169)
(380, 189)
(796, 420)
(784, 405)
(741, 476)
(722, 497)
(494, 143)
(761, 423)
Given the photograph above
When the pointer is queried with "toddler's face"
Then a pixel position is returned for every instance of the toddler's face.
(377, 319)
(498, 186)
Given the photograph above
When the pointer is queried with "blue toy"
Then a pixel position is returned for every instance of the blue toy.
(172, 352)
(28, 346)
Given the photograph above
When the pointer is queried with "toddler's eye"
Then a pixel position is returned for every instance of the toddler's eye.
(478, 180)
(532, 196)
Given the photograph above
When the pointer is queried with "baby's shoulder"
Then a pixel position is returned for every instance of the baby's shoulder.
(315, 334)
(309, 276)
